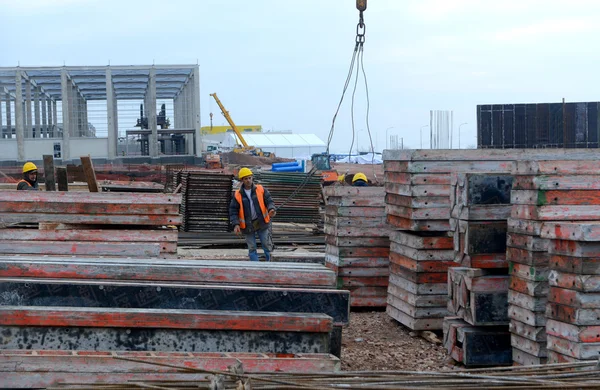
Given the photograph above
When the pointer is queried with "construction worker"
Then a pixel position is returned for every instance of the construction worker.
(29, 181)
(250, 213)
(360, 180)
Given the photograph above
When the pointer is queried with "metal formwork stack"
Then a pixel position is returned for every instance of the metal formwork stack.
(418, 191)
(357, 242)
(206, 199)
(573, 309)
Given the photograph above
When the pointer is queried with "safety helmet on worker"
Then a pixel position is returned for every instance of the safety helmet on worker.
(244, 172)
(359, 176)
(29, 167)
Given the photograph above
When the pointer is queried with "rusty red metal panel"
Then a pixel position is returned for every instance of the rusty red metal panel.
(421, 240)
(419, 278)
(525, 257)
(354, 211)
(50, 207)
(357, 241)
(153, 220)
(87, 248)
(576, 231)
(422, 254)
(558, 167)
(557, 182)
(356, 261)
(556, 213)
(576, 265)
(417, 300)
(419, 225)
(112, 235)
(574, 333)
(197, 271)
(416, 179)
(532, 288)
(168, 319)
(414, 323)
(415, 202)
(352, 281)
(524, 226)
(432, 213)
(420, 266)
(108, 198)
(353, 252)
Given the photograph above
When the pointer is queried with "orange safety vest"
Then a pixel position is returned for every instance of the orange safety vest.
(260, 194)
(23, 180)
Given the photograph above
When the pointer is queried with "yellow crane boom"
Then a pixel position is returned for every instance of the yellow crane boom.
(230, 121)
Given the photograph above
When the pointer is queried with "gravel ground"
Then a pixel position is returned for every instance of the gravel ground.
(375, 341)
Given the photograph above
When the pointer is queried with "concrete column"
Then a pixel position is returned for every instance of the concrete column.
(176, 112)
(54, 119)
(8, 116)
(19, 123)
(199, 146)
(49, 111)
(73, 110)
(110, 116)
(84, 108)
(44, 132)
(36, 111)
(66, 114)
(28, 114)
(152, 113)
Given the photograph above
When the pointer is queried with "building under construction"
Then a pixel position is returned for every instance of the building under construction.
(72, 111)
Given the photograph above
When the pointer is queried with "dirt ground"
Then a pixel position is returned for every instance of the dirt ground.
(376, 342)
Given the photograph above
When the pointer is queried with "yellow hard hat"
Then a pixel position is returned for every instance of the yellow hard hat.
(359, 176)
(244, 172)
(28, 167)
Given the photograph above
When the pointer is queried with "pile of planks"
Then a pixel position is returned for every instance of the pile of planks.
(82, 224)
(205, 201)
(357, 242)
(177, 309)
(418, 194)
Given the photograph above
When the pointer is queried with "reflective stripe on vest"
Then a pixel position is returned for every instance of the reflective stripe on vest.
(260, 194)
(23, 181)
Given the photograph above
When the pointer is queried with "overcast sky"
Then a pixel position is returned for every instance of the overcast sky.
(282, 64)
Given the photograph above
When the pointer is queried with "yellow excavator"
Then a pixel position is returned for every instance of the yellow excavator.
(245, 147)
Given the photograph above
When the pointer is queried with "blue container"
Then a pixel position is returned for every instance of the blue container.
(284, 164)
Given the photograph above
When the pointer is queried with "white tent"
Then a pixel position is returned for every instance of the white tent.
(285, 145)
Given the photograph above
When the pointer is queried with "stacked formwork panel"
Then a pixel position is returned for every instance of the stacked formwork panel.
(573, 310)
(418, 191)
(357, 242)
(478, 296)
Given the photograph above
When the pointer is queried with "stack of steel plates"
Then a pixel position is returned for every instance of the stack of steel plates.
(205, 204)
(303, 206)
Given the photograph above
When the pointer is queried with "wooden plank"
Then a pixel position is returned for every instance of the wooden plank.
(583, 283)
(357, 261)
(340, 231)
(353, 192)
(575, 265)
(418, 214)
(360, 301)
(418, 225)
(534, 304)
(575, 248)
(417, 202)
(416, 179)
(414, 323)
(87, 248)
(574, 333)
(524, 359)
(482, 212)
(531, 288)
(425, 190)
(523, 226)
(357, 241)
(533, 333)
(153, 220)
(491, 261)
(420, 266)
(450, 155)
(49, 180)
(99, 235)
(574, 298)
(416, 312)
(62, 179)
(369, 272)
(107, 198)
(527, 242)
(441, 166)
(353, 252)
(532, 273)
(576, 231)
(483, 347)
(525, 316)
(422, 240)
(556, 213)
(419, 278)
(422, 254)
(208, 271)
(42, 369)
(418, 288)
(90, 174)
(525, 257)
(556, 182)
(346, 282)
(356, 222)
(416, 300)
(572, 315)
(354, 211)
(555, 197)
(375, 201)
(533, 348)
(89, 208)
(168, 319)
(589, 166)
(581, 351)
